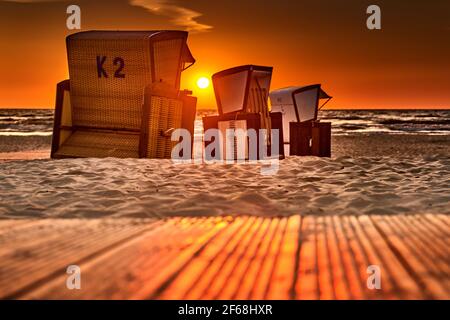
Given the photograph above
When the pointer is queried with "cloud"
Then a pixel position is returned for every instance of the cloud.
(178, 15)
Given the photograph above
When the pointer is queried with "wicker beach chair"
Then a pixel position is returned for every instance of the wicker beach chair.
(123, 94)
(242, 98)
(298, 104)
(299, 107)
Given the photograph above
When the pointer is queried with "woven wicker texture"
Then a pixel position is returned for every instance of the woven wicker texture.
(166, 53)
(164, 114)
(234, 125)
(257, 103)
(87, 143)
(112, 97)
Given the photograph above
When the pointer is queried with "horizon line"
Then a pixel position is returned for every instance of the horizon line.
(215, 109)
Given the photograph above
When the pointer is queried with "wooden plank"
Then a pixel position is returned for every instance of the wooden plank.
(436, 225)
(164, 273)
(201, 265)
(280, 284)
(134, 270)
(295, 257)
(325, 273)
(262, 285)
(441, 220)
(429, 287)
(396, 280)
(341, 285)
(149, 256)
(253, 269)
(349, 262)
(223, 273)
(227, 245)
(7, 225)
(440, 241)
(182, 237)
(358, 260)
(36, 237)
(23, 232)
(307, 283)
(238, 278)
(27, 263)
(425, 249)
(46, 236)
(165, 226)
(362, 257)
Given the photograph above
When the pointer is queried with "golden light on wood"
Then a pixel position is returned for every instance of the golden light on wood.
(203, 83)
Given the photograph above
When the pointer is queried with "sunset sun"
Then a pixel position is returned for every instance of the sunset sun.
(203, 83)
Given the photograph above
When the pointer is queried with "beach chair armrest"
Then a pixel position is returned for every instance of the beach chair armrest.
(62, 116)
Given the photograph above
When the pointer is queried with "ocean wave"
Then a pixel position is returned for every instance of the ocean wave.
(432, 122)
(25, 134)
(422, 122)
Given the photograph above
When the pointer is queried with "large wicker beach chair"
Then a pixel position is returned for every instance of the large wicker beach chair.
(123, 94)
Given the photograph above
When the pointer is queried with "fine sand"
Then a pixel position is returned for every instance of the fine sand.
(381, 174)
(10, 144)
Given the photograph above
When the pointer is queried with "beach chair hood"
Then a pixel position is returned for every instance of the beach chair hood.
(305, 100)
(242, 89)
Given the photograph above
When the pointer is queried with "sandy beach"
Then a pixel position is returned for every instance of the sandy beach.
(367, 174)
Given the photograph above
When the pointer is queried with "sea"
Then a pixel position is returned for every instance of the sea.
(39, 122)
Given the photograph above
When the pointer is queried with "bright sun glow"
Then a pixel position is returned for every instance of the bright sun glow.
(203, 83)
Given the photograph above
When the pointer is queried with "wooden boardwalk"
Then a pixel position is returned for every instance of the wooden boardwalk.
(298, 257)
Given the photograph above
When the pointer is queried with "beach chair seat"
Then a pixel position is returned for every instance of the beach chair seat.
(100, 144)
(163, 110)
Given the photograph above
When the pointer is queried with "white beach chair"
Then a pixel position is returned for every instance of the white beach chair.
(303, 134)
(298, 104)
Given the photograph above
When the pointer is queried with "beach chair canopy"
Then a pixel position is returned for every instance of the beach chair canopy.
(297, 104)
(109, 70)
(243, 89)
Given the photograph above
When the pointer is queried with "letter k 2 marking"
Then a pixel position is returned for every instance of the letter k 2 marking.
(100, 71)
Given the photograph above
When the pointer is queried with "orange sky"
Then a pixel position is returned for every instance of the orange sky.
(405, 65)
